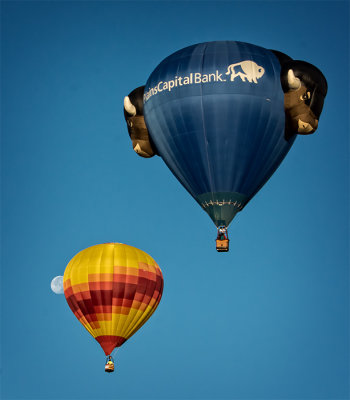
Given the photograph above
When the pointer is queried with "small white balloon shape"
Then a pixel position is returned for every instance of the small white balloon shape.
(57, 285)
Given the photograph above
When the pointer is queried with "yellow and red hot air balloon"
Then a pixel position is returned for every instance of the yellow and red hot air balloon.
(112, 289)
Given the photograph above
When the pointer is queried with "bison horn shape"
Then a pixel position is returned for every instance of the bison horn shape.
(129, 107)
(293, 82)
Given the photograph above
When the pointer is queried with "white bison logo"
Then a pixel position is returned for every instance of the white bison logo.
(245, 69)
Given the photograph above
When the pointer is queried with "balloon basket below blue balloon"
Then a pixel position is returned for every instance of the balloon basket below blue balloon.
(222, 245)
(222, 240)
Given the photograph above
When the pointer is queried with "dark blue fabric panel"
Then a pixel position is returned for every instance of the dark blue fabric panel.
(217, 118)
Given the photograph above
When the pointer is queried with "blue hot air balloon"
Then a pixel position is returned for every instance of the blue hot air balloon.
(215, 113)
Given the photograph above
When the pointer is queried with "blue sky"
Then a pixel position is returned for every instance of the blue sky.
(269, 319)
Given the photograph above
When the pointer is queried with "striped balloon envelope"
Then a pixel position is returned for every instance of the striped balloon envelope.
(112, 289)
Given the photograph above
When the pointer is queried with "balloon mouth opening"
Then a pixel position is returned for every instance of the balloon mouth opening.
(109, 343)
(222, 207)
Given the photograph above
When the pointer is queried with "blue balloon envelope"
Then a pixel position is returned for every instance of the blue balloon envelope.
(215, 112)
